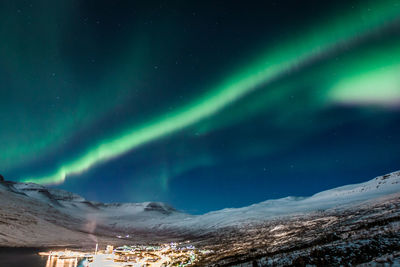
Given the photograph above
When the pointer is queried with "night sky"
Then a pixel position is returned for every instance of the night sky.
(200, 104)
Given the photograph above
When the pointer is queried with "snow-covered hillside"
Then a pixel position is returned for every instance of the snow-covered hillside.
(33, 215)
(337, 197)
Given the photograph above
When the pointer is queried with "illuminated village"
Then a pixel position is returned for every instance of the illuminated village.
(173, 254)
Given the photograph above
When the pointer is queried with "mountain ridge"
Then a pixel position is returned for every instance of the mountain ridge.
(40, 216)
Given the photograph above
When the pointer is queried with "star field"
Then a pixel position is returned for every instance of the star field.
(203, 105)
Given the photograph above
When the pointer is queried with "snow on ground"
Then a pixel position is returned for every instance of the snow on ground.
(27, 222)
(32, 213)
(341, 196)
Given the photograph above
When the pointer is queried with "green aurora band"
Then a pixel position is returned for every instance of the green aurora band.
(355, 88)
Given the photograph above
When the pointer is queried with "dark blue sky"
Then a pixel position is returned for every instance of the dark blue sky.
(201, 104)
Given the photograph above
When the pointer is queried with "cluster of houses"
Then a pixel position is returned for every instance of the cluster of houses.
(173, 254)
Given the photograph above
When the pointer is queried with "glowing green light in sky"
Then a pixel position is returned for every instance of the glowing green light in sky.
(379, 87)
(271, 65)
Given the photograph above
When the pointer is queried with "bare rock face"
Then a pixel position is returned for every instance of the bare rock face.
(159, 207)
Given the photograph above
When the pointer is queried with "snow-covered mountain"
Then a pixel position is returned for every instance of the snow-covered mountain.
(34, 215)
(337, 197)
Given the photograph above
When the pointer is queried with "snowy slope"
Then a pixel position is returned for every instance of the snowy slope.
(32, 214)
(25, 221)
(340, 196)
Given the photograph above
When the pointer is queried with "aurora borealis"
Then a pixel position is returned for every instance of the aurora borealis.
(174, 101)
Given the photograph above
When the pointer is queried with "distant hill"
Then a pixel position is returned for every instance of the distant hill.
(34, 215)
